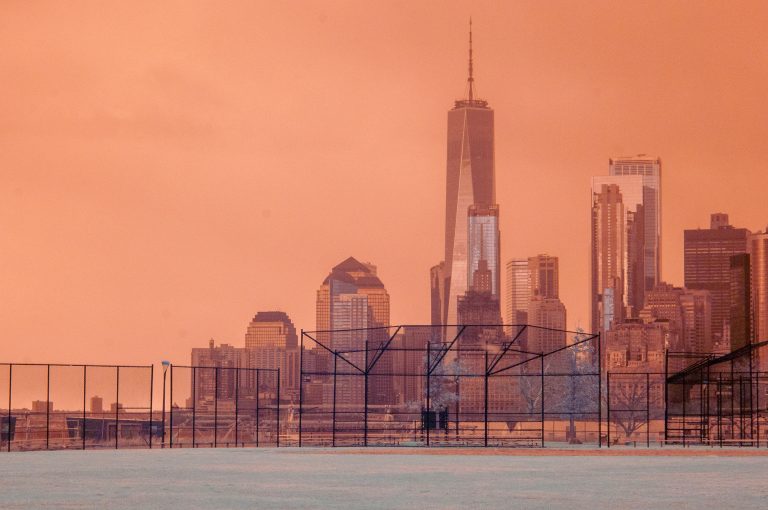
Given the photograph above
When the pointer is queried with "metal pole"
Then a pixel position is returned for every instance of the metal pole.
(648, 409)
(685, 397)
(237, 398)
(10, 384)
(599, 392)
(666, 395)
(720, 407)
(608, 406)
(541, 358)
(216, 407)
(485, 398)
(84, 384)
(301, 383)
(194, 404)
(117, 403)
(757, 406)
(48, 409)
(425, 417)
(365, 397)
(162, 432)
(333, 423)
(170, 438)
(257, 406)
(278, 408)
(151, 401)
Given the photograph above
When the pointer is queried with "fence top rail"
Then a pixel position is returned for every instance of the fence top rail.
(251, 369)
(445, 326)
(76, 365)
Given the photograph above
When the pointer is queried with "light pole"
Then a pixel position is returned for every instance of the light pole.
(165, 364)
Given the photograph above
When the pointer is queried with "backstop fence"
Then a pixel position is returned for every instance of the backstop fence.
(468, 385)
(223, 407)
(76, 406)
(717, 400)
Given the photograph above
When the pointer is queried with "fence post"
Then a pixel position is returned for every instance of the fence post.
(278, 408)
(194, 404)
(365, 397)
(237, 398)
(84, 384)
(599, 392)
(257, 406)
(608, 406)
(117, 404)
(151, 402)
(48, 409)
(216, 407)
(647, 410)
(425, 424)
(541, 358)
(301, 383)
(170, 435)
(485, 404)
(10, 385)
(333, 422)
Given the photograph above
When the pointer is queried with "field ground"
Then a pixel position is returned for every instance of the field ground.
(386, 478)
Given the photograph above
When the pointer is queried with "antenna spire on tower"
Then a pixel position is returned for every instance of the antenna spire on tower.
(471, 79)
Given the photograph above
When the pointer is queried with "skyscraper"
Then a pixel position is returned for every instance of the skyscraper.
(649, 168)
(740, 329)
(545, 276)
(470, 180)
(352, 297)
(271, 342)
(609, 258)
(707, 260)
(758, 256)
(518, 291)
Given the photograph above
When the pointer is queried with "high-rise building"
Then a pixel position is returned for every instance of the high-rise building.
(740, 302)
(470, 180)
(271, 342)
(271, 330)
(635, 344)
(518, 291)
(688, 312)
(204, 379)
(758, 256)
(547, 319)
(545, 276)
(649, 169)
(352, 298)
(608, 257)
(437, 292)
(707, 260)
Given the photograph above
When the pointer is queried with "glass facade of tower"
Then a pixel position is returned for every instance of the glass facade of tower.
(518, 291)
(483, 238)
(649, 170)
(470, 180)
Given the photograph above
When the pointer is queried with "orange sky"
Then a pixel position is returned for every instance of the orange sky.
(169, 170)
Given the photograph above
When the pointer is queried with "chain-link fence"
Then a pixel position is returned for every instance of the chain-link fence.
(449, 386)
(223, 407)
(52, 407)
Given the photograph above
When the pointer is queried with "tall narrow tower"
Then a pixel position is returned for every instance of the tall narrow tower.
(470, 180)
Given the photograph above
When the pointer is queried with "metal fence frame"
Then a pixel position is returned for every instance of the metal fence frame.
(8, 426)
(493, 369)
(258, 409)
(711, 395)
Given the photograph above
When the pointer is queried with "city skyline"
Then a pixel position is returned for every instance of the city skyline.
(134, 238)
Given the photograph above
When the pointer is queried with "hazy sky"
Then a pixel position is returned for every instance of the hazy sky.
(169, 169)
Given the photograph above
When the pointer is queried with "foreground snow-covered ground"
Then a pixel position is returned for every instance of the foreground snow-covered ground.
(310, 478)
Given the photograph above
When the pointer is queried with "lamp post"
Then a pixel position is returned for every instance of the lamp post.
(165, 364)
